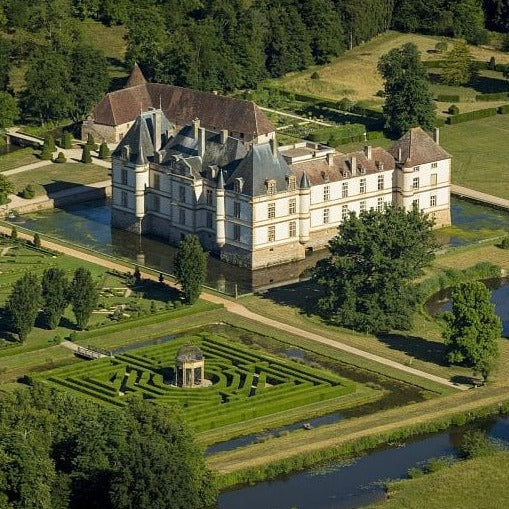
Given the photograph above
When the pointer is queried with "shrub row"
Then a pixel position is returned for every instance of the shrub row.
(471, 115)
(492, 97)
(448, 98)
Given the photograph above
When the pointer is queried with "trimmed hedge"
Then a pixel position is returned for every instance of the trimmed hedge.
(503, 110)
(445, 98)
(472, 115)
(492, 97)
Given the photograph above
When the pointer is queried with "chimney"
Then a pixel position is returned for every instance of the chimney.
(353, 165)
(399, 154)
(367, 152)
(196, 128)
(436, 135)
(157, 133)
(330, 158)
(273, 147)
(224, 136)
(201, 142)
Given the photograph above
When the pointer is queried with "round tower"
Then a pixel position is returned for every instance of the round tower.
(220, 211)
(304, 208)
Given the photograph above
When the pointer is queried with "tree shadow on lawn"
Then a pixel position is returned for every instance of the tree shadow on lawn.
(416, 347)
(153, 290)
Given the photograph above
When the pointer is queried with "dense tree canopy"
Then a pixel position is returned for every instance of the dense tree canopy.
(472, 328)
(460, 65)
(368, 279)
(55, 289)
(409, 100)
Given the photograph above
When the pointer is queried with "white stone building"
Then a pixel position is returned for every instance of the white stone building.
(255, 204)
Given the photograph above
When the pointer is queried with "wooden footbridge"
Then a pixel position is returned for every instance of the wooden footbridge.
(92, 353)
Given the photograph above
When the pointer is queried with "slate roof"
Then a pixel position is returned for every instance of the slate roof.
(138, 137)
(257, 168)
(417, 147)
(181, 106)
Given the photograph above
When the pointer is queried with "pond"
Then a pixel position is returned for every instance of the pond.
(352, 484)
(500, 297)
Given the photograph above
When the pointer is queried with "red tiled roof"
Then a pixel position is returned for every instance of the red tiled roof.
(182, 105)
(136, 78)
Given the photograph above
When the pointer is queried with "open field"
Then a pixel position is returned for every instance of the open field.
(472, 484)
(57, 177)
(245, 383)
(354, 74)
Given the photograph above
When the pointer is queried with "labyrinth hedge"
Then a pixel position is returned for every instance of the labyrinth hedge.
(245, 383)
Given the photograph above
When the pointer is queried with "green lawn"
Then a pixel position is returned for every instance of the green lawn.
(57, 177)
(473, 484)
(480, 156)
(18, 158)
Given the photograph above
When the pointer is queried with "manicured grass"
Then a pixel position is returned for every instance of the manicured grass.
(57, 177)
(473, 484)
(18, 158)
(354, 74)
(479, 154)
(246, 383)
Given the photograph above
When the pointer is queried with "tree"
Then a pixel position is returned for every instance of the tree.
(86, 158)
(23, 303)
(37, 240)
(409, 100)
(104, 151)
(49, 143)
(9, 110)
(191, 267)
(66, 141)
(5, 60)
(92, 145)
(472, 328)
(460, 67)
(14, 233)
(83, 296)
(6, 188)
(368, 279)
(161, 466)
(55, 290)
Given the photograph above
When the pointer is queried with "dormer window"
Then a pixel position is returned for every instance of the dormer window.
(363, 170)
(271, 186)
(347, 173)
(238, 183)
(292, 184)
(126, 152)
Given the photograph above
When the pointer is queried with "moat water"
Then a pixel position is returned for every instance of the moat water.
(88, 225)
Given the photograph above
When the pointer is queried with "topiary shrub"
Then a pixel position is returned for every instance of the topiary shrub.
(14, 233)
(453, 110)
(37, 240)
(66, 141)
(60, 158)
(46, 154)
(505, 243)
(315, 76)
(91, 142)
(492, 64)
(104, 151)
(49, 143)
(28, 192)
(86, 158)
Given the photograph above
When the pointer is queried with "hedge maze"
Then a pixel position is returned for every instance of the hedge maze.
(246, 383)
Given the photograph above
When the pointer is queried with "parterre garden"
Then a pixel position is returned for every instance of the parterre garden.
(245, 383)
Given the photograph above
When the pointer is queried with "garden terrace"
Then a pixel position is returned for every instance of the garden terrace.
(246, 384)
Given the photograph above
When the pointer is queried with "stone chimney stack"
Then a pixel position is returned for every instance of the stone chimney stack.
(224, 136)
(399, 154)
(353, 166)
(330, 159)
(367, 152)
(157, 120)
(196, 128)
(201, 142)
(436, 135)
(273, 147)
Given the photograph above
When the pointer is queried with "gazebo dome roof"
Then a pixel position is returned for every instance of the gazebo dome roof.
(189, 353)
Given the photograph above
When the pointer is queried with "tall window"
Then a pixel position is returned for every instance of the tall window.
(237, 186)
(291, 183)
(292, 229)
(208, 196)
(433, 179)
(344, 212)
(209, 219)
(123, 177)
(157, 181)
(326, 216)
(182, 194)
(362, 206)
(236, 232)
(362, 186)
(236, 209)
(415, 183)
(123, 199)
(326, 193)
(271, 233)
(271, 210)
(344, 190)
(380, 182)
(415, 203)
(157, 203)
(292, 206)
(182, 216)
(380, 204)
(417, 168)
(433, 200)
(271, 187)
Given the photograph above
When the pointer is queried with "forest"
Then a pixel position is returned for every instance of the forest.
(206, 44)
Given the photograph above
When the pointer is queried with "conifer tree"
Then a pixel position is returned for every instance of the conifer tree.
(83, 296)
(55, 290)
(23, 303)
(191, 267)
(86, 158)
(104, 151)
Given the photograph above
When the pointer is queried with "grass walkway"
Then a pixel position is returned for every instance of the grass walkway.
(325, 437)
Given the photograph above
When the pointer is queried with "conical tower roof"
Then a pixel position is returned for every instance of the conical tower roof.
(136, 78)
